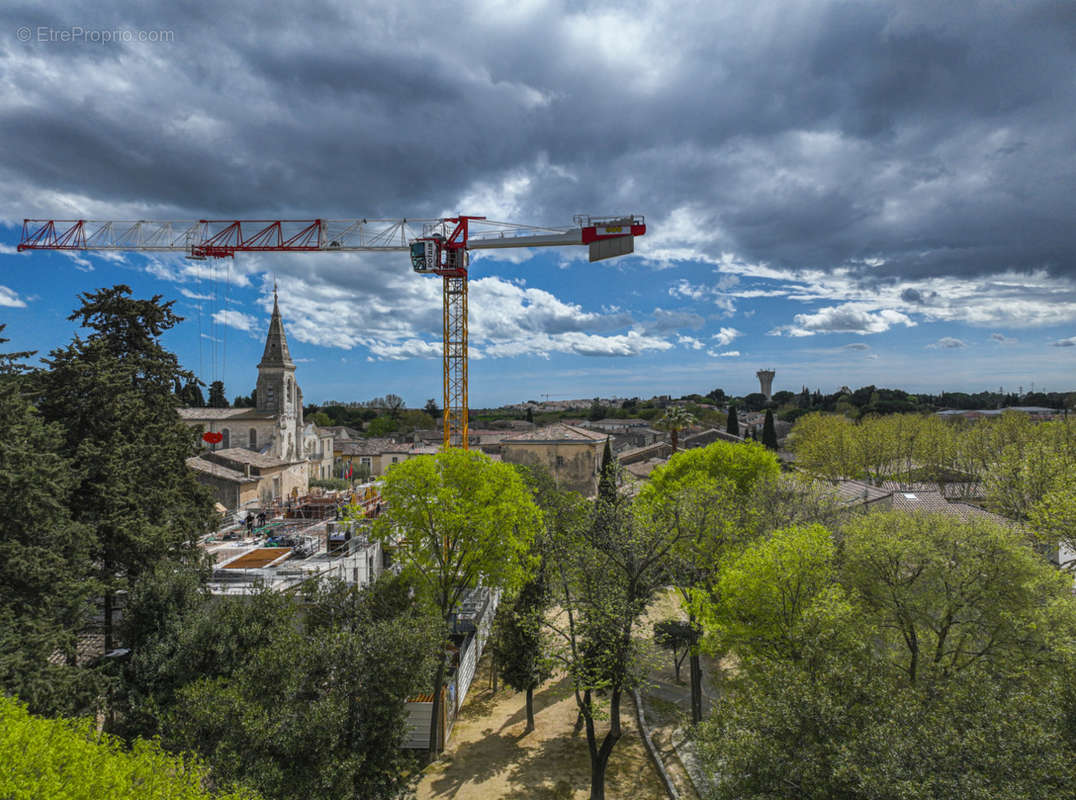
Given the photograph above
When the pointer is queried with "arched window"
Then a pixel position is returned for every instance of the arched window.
(226, 442)
(253, 439)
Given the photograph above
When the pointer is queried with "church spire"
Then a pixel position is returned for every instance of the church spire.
(276, 343)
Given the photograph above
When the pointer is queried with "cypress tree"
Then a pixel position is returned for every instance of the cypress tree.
(769, 431)
(112, 395)
(607, 481)
(734, 422)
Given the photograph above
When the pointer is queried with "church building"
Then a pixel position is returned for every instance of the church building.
(269, 440)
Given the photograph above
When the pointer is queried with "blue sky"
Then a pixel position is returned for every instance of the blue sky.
(847, 193)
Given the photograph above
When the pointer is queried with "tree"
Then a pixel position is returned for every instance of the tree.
(321, 419)
(607, 480)
(394, 405)
(699, 498)
(178, 634)
(678, 636)
(319, 711)
(607, 564)
(597, 410)
(190, 395)
(456, 521)
(733, 423)
(769, 432)
(530, 414)
(45, 566)
(69, 758)
(517, 642)
(432, 409)
(675, 420)
(924, 657)
(216, 395)
(381, 426)
(112, 394)
(717, 396)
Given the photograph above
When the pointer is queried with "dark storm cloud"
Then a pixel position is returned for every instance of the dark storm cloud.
(927, 139)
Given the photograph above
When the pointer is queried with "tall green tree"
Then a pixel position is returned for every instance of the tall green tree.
(112, 395)
(45, 566)
(607, 566)
(432, 409)
(190, 394)
(457, 520)
(769, 431)
(518, 644)
(216, 395)
(700, 498)
(675, 420)
(733, 426)
(607, 480)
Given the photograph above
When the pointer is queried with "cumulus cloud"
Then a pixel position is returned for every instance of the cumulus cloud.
(856, 346)
(194, 295)
(238, 320)
(10, 298)
(845, 318)
(690, 342)
(1001, 338)
(947, 343)
(1069, 342)
(727, 354)
(725, 336)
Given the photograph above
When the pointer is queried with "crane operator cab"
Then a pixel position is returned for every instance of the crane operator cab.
(426, 257)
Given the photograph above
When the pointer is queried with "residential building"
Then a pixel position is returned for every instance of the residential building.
(573, 455)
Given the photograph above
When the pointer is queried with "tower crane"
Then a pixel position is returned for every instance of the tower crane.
(436, 247)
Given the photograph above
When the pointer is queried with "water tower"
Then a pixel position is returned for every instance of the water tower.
(765, 382)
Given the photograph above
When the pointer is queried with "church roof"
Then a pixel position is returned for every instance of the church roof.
(218, 414)
(276, 343)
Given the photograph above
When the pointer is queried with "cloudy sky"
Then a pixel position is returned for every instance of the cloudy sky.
(847, 192)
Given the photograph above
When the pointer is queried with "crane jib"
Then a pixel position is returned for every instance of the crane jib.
(435, 246)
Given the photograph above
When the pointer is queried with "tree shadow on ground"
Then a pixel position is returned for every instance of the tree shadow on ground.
(544, 697)
(474, 762)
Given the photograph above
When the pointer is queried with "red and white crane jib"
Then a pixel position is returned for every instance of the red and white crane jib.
(223, 238)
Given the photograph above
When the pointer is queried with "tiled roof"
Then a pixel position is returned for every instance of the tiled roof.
(218, 471)
(557, 432)
(860, 492)
(239, 455)
(366, 447)
(921, 501)
(217, 414)
(956, 490)
(642, 469)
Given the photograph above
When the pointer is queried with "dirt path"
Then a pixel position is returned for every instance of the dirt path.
(489, 757)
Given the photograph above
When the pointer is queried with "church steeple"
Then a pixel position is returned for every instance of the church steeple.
(276, 343)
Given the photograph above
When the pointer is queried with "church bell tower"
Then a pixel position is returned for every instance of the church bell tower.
(277, 391)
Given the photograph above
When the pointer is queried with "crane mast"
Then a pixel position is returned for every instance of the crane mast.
(436, 247)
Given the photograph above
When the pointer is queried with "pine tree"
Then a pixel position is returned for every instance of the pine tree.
(112, 395)
(191, 394)
(216, 395)
(44, 561)
(769, 431)
(734, 422)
